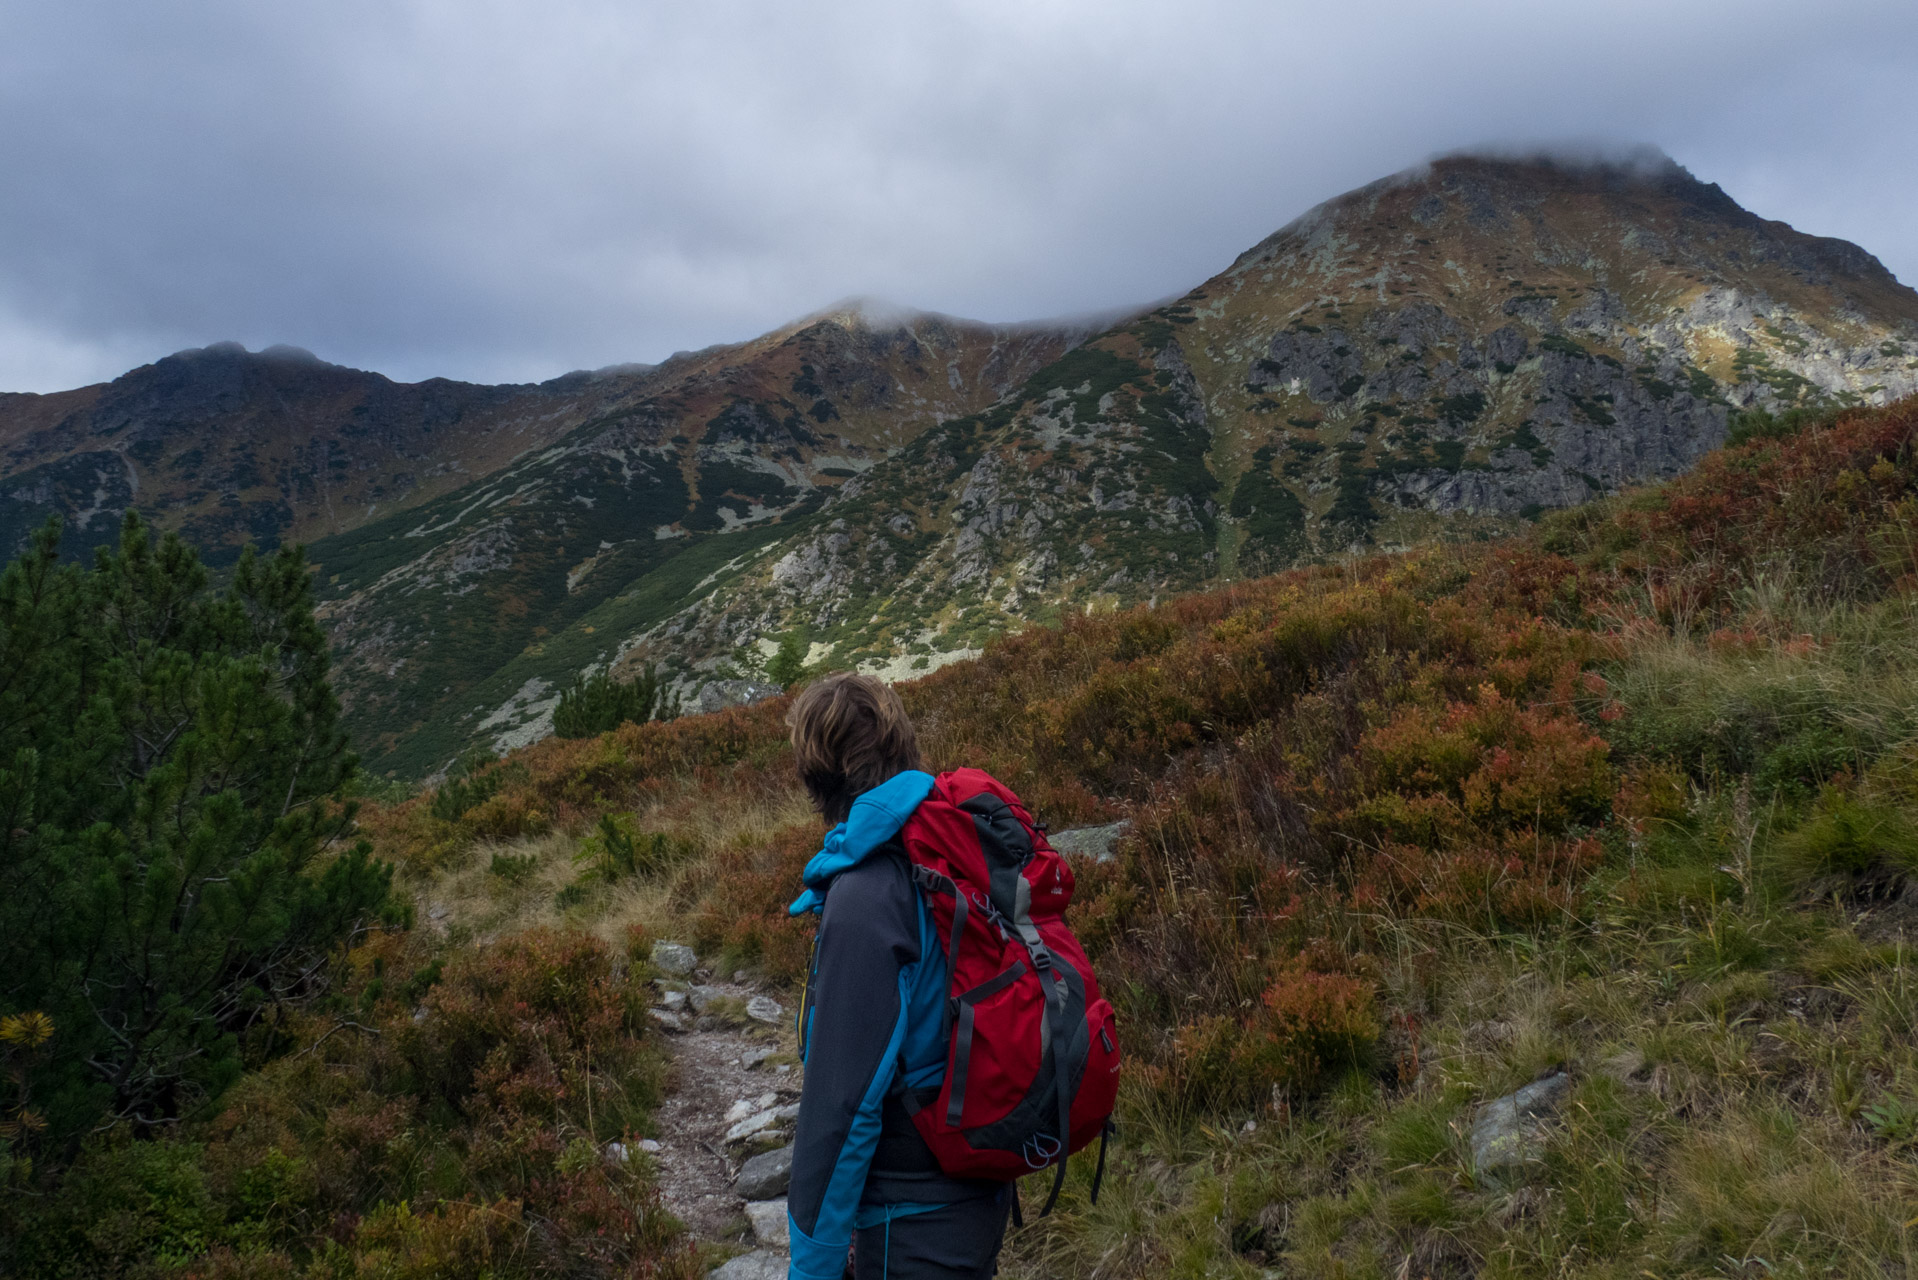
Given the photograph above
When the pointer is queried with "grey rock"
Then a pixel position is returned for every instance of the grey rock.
(674, 957)
(761, 1121)
(769, 1221)
(668, 1019)
(765, 1009)
(701, 998)
(766, 1175)
(749, 1106)
(1323, 365)
(1090, 842)
(753, 1057)
(721, 694)
(1509, 1131)
(672, 999)
(760, 1264)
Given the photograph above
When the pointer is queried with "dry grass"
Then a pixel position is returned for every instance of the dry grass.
(481, 904)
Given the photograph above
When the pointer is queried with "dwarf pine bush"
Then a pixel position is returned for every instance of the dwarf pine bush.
(174, 861)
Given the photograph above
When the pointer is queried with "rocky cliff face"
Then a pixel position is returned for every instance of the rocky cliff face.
(1489, 337)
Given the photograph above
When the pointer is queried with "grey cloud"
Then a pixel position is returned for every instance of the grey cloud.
(500, 191)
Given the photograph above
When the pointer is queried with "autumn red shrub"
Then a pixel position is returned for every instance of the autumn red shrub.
(1515, 879)
(1488, 764)
(1306, 1025)
(1317, 1021)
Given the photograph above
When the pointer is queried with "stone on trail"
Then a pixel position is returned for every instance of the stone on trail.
(766, 1175)
(701, 998)
(761, 1122)
(1090, 842)
(746, 1106)
(765, 1009)
(753, 1057)
(674, 957)
(667, 1019)
(769, 1221)
(1509, 1131)
(757, 1265)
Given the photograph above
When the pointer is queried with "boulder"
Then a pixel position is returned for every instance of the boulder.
(721, 694)
(760, 1264)
(674, 957)
(765, 1009)
(761, 1121)
(747, 1106)
(765, 1176)
(1090, 842)
(769, 1221)
(1509, 1131)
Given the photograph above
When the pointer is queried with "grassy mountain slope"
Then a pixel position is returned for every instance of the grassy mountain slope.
(229, 446)
(1626, 803)
(1439, 356)
(1630, 797)
(461, 616)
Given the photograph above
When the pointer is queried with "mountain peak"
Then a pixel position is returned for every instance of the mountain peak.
(873, 313)
(235, 353)
(1644, 215)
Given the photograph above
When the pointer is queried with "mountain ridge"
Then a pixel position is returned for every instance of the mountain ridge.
(1343, 384)
(1442, 354)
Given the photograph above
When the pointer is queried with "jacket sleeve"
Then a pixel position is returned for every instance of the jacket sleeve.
(868, 946)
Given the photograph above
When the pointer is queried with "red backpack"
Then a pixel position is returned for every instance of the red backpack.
(1034, 1059)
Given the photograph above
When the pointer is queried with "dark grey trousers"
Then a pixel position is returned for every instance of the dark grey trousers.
(958, 1241)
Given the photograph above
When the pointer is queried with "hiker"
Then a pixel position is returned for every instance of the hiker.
(877, 1028)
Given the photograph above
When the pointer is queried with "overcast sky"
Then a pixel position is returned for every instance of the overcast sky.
(504, 191)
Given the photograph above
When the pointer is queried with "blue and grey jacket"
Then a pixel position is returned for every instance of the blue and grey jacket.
(874, 1027)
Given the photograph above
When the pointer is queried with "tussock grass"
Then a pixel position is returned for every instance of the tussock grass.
(495, 887)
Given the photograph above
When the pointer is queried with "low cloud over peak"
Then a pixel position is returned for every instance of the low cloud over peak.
(506, 193)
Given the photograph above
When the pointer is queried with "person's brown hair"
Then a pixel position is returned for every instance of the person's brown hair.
(850, 733)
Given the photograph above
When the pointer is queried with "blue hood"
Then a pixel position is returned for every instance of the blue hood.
(876, 818)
